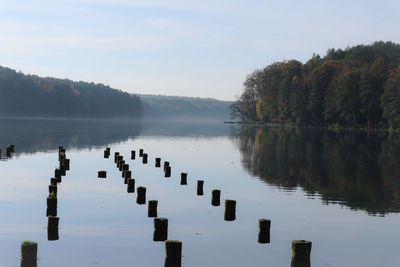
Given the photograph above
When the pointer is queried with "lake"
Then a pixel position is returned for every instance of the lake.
(340, 190)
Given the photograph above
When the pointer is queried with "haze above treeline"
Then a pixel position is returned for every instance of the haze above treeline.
(33, 96)
(357, 87)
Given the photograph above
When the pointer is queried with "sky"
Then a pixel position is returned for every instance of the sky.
(202, 48)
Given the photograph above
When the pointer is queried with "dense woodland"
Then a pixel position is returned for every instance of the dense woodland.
(355, 87)
(184, 108)
(32, 96)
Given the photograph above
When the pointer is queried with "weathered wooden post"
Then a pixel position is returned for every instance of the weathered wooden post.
(301, 250)
(173, 253)
(53, 181)
(125, 167)
(160, 229)
(106, 154)
(8, 152)
(57, 175)
(152, 212)
(131, 185)
(166, 164)
(29, 254)
(52, 228)
(264, 226)
(200, 184)
(158, 162)
(120, 158)
(61, 149)
(183, 178)
(121, 164)
(141, 195)
(216, 195)
(65, 162)
(53, 189)
(116, 154)
(127, 175)
(61, 155)
(230, 210)
(51, 205)
(167, 171)
(140, 152)
(102, 174)
(12, 148)
(63, 170)
(144, 159)
(133, 154)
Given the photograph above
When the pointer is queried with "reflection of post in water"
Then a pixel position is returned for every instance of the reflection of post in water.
(173, 253)
(29, 254)
(264, 226)
(301, 250)
(160, 229)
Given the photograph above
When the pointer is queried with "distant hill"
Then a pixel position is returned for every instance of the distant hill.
(184, 108)
(32, 96)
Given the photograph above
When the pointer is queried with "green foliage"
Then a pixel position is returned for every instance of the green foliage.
(346, 87)
(29, 95)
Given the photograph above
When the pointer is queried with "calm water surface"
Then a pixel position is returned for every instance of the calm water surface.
(339, 190)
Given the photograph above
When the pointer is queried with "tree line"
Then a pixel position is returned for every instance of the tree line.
(32, 96)
(356, 87)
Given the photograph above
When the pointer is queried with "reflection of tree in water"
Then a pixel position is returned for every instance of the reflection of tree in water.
(348, 167)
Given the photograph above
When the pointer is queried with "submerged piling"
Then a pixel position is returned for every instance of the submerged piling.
(216, 195)
(160, 229)
(152, 211)
(183, 178)
(264, 226)
(29, 254)
(301, 250)
(230, 210)
(141, 195)
(173, 253)
(200, 184)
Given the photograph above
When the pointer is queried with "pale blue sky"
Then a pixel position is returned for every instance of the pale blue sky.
(191, 48)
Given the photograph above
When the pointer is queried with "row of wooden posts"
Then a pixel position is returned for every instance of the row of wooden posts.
(9, 151)
(301, 249)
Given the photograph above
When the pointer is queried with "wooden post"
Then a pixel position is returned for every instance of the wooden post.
(29, 254)
(102, 174)
(167, 171)
(166, 164)
(183, 178)
(216, 195)
(116, 154)
(121, 164)
(133, 154)
(160, 229)
(53, 189)
(12, 148)
(65, 162)
(131, 185)
(52, 228)
(173, 253)
(264, 226)
(0, 153)
(125, 167)
(158, 162)
(230, 210)
(141, 195)
(200, 184)
(301, 250)
(127, 175)
(53, 181)
(51, 211)
(106, 154)
(57, 175)
(144, 160)
(152, 212)
(140, 152)
(51, 202)
(8, 152)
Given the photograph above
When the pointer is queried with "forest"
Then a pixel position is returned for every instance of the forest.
(358, 87)
(32, 96)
